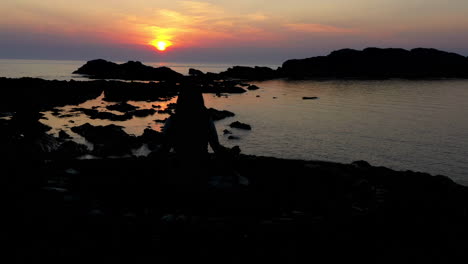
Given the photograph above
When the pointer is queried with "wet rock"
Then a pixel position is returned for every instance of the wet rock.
(151, 137)
(143, 112)
(253, 87)
(219, 114)
(122, 107)
(310, 98)
(70, 149)
(108, 140)
(233, 137)
(95, 114)
(63, 135)
(166, 111)
(161, 120)
(240, 125)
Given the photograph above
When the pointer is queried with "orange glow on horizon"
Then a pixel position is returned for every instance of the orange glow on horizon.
(160, 45)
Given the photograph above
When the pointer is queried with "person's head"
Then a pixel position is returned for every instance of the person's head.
(190, 101)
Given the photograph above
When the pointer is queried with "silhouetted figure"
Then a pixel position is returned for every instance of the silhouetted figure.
(188, 132)
(191, 129)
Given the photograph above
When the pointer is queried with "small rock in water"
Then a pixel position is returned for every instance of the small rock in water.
(233, 137)
(309, 98)
(240, 125)
(226, 132)
(253, 87)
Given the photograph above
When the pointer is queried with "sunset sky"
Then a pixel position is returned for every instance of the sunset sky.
(249, 31)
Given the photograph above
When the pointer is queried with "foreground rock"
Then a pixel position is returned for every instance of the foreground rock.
(375, 63)
(273, 211)
(132, 70)
(108, 140)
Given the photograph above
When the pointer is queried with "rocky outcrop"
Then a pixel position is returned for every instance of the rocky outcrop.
(250, 73)
(240, 125)
(376, 63)
(41, 94)
(132, 70)
(108, 140)
(217, 115)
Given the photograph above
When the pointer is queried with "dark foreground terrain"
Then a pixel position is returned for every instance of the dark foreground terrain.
(247, 210)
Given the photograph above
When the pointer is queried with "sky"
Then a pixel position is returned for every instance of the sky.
(240, 31)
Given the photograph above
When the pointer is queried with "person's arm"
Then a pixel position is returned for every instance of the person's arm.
(167, 132)
(213, 137)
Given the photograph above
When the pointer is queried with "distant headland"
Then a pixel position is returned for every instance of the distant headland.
(370, 63)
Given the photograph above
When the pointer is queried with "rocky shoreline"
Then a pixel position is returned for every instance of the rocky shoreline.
(246, 209)
(123, 210)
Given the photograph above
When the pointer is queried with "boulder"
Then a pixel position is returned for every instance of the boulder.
(107, 140)
(253, 87)
(195, 72)
(240, 125)
(122, 107)
(219, 114)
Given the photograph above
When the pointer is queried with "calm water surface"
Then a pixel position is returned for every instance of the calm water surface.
(401, 124)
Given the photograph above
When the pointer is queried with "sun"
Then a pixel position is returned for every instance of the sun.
(160, 45)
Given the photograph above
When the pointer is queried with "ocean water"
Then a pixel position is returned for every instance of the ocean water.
(401, 124)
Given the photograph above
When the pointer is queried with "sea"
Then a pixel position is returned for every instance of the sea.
(418, 125)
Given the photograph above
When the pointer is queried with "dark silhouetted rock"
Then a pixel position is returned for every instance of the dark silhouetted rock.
(63, 135)
(95, 114)
(195, 72)
(143, 112)
(253, 87)
(309, 98)
(161, 120)
(107, 140)
(44, 95)
(233, 137)
(226, 132)
(132, 70)
(70, 150)
(240, 125)
(151, 137)
(375, 63)
(122, 107)
(250, 73)
(218, 115)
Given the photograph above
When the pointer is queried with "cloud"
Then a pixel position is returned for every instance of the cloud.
(318, 28)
